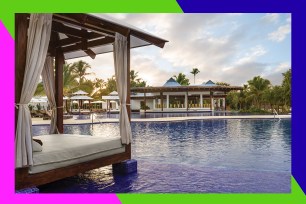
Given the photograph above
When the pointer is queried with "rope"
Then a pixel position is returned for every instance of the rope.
(20, 104)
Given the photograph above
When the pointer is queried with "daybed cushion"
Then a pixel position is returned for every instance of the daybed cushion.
(62, 150)
(36, 146)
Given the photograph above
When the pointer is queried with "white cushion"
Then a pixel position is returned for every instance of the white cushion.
(36, 146)
(62, 150)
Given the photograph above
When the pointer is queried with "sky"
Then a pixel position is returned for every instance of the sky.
(231, 48)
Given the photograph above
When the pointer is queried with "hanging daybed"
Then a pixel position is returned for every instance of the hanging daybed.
(42, 40)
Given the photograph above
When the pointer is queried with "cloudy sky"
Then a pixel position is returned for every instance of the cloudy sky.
(231, 48)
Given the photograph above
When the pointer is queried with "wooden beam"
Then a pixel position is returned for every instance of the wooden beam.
(72, 19)
(72, 40)
(90, 53)
(61, 28)
(93, 22)
(150, 39)
(59, 64)
(21, 28)
(90, 44)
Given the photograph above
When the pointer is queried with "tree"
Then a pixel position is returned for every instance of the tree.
(223, 84)
(286, 85)
(181, 79)
(257, 86)
(87, 86)
(111, 85)
(136, 82)
(133, 75)
(80, 68)
(40, 91)
(69, 80)
(99, 88)
(194, 71)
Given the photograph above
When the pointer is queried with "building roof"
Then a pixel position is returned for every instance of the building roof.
(209, 83)
(80, 92)
(79, 97)
(197, 88)
(114, 93)
(110, 97)
(171, 82)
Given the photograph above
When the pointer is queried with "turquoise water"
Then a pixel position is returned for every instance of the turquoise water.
(193, 156)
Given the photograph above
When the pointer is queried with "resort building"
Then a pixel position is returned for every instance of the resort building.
(172, 96)
(80, 102)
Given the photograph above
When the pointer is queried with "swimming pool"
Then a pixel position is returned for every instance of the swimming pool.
(234, 155)
(163, 115)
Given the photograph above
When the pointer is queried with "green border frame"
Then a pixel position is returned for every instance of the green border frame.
(7, 10)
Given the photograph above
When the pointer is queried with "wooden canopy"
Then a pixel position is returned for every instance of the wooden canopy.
(74, 36)
(79, 35)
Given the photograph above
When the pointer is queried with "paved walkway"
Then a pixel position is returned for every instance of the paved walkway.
(40, 121)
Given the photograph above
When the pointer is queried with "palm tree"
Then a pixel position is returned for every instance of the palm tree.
(39, 90)
(99, 85)
(133, 75)
(80, 68)
(286, 85)
(69, 80)
(194, 71)
(257, 87)
(181, 79)
(222, 83)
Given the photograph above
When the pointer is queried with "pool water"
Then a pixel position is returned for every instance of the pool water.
(234, 155)
(163, 114)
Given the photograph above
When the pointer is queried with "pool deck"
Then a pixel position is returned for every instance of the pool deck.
(40, 121)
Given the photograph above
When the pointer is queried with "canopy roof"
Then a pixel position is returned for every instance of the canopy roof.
(81, 98)
(114, 93)
(80, 92)
(110, 97)
(171, 82)
(79, 35)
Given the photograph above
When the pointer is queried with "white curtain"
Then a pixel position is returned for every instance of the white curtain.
(49, 87)
(120, 59)
(39, 32)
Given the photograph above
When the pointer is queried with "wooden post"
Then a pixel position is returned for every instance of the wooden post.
(59, 64)
(145, 102)
(211, 100)
(162, 101)
(21, 27)
(187, 102)
(128, 87)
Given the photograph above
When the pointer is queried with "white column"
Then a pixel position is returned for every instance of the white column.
(167, 101)
(212, 103)
(201, 101)
(154, 103)
(223, 103)
(219, 100)
(185, 100)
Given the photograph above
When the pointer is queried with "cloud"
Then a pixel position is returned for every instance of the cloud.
(224, 47)
(274, 72)
(271, 18)
(280, 34)
(252, 55)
